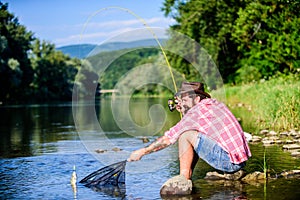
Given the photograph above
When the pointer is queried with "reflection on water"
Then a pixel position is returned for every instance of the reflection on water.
(32, 130)
(40, 144)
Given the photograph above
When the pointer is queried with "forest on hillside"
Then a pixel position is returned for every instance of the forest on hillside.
(248, 41)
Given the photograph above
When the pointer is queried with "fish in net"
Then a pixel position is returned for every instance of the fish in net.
(108, 179)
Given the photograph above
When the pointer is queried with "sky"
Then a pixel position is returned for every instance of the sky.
(68, 22)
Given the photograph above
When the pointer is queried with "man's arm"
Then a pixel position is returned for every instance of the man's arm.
(160, 143)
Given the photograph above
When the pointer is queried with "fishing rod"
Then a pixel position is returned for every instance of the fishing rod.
(147, 27)
(115, 172)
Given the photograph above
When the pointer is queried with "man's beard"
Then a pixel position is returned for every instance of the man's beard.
(187, 108)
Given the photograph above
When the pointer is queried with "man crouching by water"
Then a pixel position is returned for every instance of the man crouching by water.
(207, 130)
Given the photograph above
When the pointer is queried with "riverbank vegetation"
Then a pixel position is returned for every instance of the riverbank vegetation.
(255, 45)
(272, 104)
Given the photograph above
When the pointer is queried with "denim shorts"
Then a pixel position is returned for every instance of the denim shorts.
(209, 151)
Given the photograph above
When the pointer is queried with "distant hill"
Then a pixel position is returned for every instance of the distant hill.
(83, 50)
(77, 51)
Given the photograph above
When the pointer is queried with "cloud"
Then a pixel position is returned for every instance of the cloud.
(117, 35)
(125, 23)
(120, 30)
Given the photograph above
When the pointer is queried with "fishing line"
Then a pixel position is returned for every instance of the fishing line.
(97, 176)
(145, 24)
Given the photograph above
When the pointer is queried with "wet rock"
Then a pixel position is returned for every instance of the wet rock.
(284, 134)
(278, 142)
(116, 149)
(178, 197)
(256, 138)
(273, 138)
(254, 177)
(145, 139)
(297, 141)
(295, 154)
(217, 176)
(178, 185)
(291, 174)
(214, 176)
(257, 178)
(100, 150)
(267, 142)
(264, 132)
(291, 146)
(289, 142)
(294, 134)
(234, 176)
(271, 133)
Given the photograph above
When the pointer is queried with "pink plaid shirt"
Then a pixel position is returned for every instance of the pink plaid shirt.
(215, 120)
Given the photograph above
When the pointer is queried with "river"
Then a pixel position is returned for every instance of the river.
(40, 144)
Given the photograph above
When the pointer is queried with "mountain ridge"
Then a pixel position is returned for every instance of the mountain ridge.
(83, 50)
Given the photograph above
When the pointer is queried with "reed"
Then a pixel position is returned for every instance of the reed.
(265, 169)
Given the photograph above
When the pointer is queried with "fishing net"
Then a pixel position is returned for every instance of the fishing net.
(109, 176)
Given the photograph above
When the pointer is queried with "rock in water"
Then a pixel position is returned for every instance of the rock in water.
(178, 185)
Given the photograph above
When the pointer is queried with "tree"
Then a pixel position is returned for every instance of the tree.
(15, 70)
(119, 63)
(260, 35)
(54, 72)
(86, 85)
(32, 70)
(267, 32)
(209, 23)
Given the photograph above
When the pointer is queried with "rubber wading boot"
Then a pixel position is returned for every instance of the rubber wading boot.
(178, 185)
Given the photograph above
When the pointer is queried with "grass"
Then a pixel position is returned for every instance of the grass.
(272, 104)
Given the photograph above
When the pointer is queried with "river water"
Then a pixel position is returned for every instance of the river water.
(40, 144)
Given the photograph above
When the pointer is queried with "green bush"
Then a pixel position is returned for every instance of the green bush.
(272, 104)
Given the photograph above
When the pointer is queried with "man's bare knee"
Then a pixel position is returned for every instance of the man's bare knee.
(189, 136)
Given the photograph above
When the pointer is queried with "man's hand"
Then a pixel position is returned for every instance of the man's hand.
(137, 155)
(161, 143)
